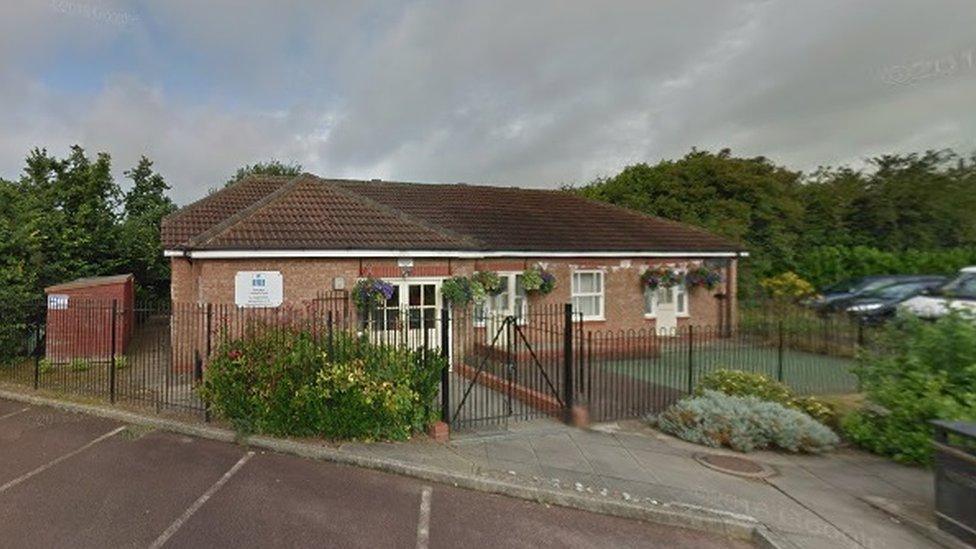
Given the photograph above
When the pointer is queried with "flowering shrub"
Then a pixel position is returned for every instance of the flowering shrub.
(488, 281)
(370, 292)
(703, 277)
(661, 277)
(283, 381)
(537, 280)
(743, 384)
(787, 287)
(457, 290)
(744, 424)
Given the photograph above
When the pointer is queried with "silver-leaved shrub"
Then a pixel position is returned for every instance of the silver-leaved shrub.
(745, 424)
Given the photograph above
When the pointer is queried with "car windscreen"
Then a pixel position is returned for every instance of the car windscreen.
(873, 285)
(898, 291)
(963, 286)
(843, 287)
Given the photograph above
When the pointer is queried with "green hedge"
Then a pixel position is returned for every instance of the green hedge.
(288, 382)
(829, 264)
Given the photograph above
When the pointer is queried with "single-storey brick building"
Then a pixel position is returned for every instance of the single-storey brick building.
(265, 241)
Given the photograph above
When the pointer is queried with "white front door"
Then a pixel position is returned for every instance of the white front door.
(410, 316)
(666, 311)
(423, 306)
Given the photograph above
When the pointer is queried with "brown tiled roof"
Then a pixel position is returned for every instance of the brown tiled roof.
(203, 214)
(308, 212)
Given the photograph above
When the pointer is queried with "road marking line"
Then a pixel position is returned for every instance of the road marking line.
(178, 523)
(12, 414)
(58, 460)
(423, 525)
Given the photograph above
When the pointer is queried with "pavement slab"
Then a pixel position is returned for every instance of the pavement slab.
(812, 500)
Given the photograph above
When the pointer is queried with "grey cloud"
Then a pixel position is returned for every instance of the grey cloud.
(522, 93)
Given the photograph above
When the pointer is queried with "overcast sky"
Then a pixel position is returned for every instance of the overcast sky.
(528, 93)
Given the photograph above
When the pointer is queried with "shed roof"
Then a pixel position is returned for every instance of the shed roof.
(88, 282)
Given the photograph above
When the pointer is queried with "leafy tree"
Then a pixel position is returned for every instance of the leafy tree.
(271, 167)
(72, 205)
(749, 200)
(905, 213)
(145, 205)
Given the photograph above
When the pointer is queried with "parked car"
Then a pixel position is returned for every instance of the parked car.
(876, 306)
(836, 297)
(958, 294)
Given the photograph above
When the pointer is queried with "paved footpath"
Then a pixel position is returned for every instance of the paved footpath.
(74, 480)
(810, 502)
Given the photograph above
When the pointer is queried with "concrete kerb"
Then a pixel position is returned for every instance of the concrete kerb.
(721, 523)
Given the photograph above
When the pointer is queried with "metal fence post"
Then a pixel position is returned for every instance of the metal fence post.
(691, 359)
(570, 389)
(37, 353)
(209, 329)
(779, 353)
(445, 374)
(328, 335)
(198, 378)
(111, 375)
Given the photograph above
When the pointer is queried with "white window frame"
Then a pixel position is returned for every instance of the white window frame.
(680, 288)
(509, 279)
(600, 294)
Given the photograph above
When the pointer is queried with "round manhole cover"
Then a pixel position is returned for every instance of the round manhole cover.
(734, 465)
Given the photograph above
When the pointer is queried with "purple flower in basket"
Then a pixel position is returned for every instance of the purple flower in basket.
(369, 292)
(383, 288)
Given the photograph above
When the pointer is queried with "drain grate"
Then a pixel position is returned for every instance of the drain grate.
(734, 465)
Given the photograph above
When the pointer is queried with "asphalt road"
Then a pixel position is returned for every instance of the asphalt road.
(69, 480)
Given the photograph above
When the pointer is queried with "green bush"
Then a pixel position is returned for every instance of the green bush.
(747, 384)
(744, 424)
(829, 264)
(286, 382)
(918, 371)
(79, 365)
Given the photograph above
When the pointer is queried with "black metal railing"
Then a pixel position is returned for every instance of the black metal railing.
(500, 367)
(638, 372)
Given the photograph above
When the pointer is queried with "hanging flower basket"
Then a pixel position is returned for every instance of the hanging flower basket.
(661, 277)
(538, 281)
(703, 277)
(457, 290)
(371, 292)
(489, 282)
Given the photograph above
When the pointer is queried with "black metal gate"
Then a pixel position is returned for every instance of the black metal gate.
(509, 368)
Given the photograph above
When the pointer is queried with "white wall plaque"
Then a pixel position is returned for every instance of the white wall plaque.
(258, 289)
(57, 301)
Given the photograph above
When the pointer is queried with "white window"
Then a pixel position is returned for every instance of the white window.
(588, 294)
(510, 302)
(679, 294)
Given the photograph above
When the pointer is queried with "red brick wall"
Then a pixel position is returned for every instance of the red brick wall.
(212, 281)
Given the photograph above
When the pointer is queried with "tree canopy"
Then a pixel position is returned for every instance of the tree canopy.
(271, 167)
(896, 214)
(67, 218)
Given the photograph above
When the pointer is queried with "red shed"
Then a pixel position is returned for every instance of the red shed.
(79, 317)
